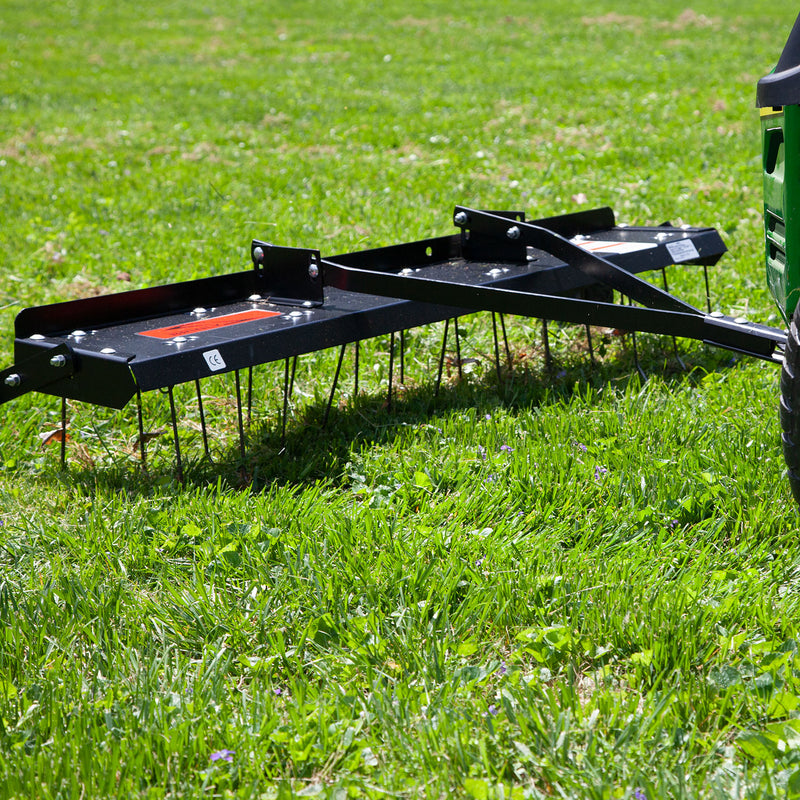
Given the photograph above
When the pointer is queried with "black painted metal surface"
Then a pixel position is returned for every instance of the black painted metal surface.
(163, 336)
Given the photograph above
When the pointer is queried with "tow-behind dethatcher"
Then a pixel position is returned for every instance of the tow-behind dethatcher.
(578, 268)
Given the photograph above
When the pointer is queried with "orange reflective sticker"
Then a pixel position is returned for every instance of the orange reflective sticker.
(209, 324)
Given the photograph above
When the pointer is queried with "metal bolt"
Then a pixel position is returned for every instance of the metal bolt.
(741, 320)
(13, 380)
(58, 361)
(461, 218)
(313, 271)
(258, 254)
(513, 232)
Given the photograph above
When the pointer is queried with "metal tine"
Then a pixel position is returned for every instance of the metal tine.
(441, 357)
(589, 343)
(391, 373)
(249, 395)
(333, 388)
(548, 357)
(674, 338)
(291, 379)
(402, 357)
(202, 417)
(444, 352)
(642, 373)
(496, 348)
(142, 444)
(288, 386)
(355, 367)
(240, 414)
(285, 400)
(505, 342)
(708, 290)
(63, 432)
(178, 462)
(458, 348)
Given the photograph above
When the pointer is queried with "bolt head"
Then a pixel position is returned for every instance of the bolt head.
(313, 271)
(58, 361)
(13, 380)
(513, 232)
(258, 254)
(461, 218)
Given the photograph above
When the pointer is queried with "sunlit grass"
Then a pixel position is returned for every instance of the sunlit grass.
(570, 583)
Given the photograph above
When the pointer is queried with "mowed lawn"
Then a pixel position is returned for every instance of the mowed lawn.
(567, 583)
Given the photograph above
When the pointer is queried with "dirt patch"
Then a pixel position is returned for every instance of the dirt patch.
(686, 19)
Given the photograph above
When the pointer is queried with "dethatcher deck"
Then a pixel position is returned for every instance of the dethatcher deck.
(104, 350)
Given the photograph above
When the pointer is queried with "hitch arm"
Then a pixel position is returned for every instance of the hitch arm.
(756, 340)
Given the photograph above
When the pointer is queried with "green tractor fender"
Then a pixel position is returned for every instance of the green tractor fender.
(778, 98)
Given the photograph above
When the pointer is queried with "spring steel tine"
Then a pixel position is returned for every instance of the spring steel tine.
(202, 417)
(355, 367)
(458, 347)
(589, 343)
(249, 395)
(674, 338)
(63, 432)
(142, 445)
(402, 357)
(288, 386)
(333, 388)
(441, 357)
(178, 462)
(291, 379)
(391, 372)
(239, 414)
(548, 358)
(642, 373)
(505, 342)
(285, 400)
(708, 291)
(496, 347)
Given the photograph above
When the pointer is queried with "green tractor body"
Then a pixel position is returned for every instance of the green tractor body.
(779, 101)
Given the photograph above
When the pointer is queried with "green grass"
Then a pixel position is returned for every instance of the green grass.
(572, 584)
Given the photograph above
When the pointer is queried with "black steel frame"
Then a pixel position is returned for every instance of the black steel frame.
(106, 350)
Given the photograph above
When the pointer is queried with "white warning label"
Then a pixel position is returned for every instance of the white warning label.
(682, 250)
(620, 248)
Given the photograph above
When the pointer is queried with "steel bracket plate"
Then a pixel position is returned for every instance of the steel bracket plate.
(289, 275)
(36, 372)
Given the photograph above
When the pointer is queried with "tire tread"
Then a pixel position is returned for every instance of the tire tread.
(790, 405)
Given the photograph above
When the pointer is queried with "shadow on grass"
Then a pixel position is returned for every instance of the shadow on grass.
(313, 453)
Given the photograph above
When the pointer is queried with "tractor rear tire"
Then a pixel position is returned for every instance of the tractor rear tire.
(790, 404)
